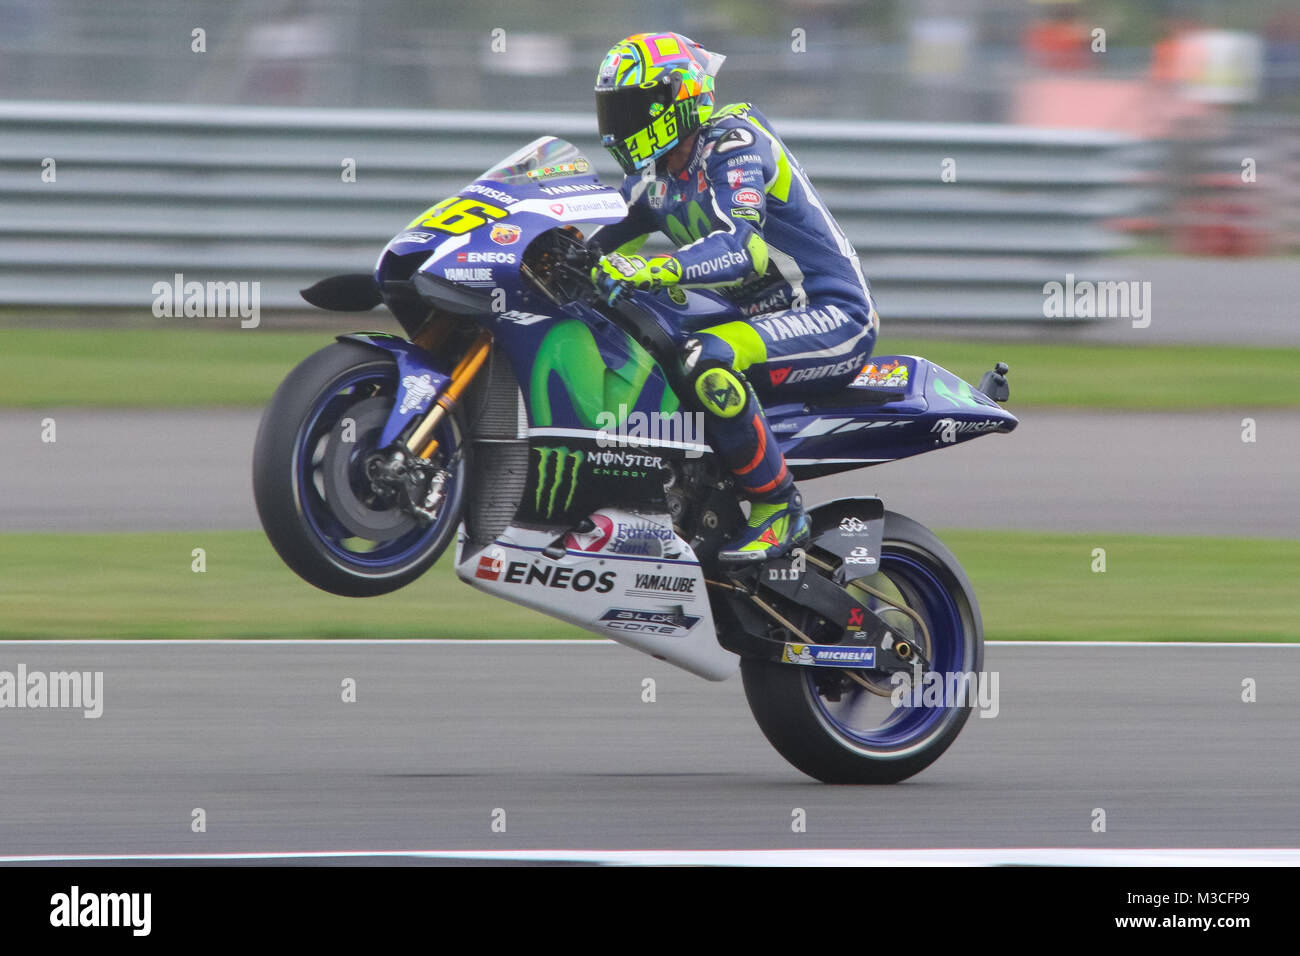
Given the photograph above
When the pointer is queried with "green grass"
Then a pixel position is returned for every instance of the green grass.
(1122, 377)
(166, 368)
(1041, 586)
(142, 586)
(1031, 587)
(176, 368)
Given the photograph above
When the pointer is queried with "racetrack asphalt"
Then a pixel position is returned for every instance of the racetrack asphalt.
(1174, 473)
(558, 737)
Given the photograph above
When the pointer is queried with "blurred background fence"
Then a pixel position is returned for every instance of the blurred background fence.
(933, 60)
(259, 194)
(207, 137)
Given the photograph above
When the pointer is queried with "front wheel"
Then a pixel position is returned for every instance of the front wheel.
(843, 726)
(313, 477)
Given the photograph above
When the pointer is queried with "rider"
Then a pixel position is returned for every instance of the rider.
(724, 188)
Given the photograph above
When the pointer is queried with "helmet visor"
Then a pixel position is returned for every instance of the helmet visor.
(638, 124)
(623, 112)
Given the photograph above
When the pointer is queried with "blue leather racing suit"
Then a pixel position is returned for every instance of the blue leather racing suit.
(750, 225)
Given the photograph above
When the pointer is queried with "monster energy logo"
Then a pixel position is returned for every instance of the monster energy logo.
(554, 480)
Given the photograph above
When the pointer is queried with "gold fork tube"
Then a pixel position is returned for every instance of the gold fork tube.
(461, 377)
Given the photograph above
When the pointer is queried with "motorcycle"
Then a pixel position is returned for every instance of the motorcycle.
(534, 417)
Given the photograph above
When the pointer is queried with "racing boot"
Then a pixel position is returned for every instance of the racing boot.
(777, 524)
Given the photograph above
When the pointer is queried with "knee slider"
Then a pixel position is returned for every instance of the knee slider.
(721, 392)
(707, 368)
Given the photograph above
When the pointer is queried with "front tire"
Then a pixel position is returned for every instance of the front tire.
(315, 503)
(833, 740)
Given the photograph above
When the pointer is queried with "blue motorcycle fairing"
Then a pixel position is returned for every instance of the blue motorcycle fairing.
(933, 409)
(486, 259)
(418, 382)
(819, 432)
(531, 208)
(702, 309)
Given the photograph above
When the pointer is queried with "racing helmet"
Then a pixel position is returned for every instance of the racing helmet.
(653, 90)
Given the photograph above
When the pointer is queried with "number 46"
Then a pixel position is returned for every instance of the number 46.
(456, 216)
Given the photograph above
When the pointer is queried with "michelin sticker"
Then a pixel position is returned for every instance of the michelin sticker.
(829, 655)
(418, 392)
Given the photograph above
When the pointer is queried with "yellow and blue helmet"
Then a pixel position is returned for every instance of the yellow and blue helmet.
(652, 91)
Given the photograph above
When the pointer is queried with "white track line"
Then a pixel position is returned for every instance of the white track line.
(318, 641)
(1053, 856)
(1295, 643)
(541, 642)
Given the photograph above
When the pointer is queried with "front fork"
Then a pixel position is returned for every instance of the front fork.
(462, 376)
(402, 467)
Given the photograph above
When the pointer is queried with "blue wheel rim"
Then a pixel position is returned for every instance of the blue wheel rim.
(329, 407)
(907, 726)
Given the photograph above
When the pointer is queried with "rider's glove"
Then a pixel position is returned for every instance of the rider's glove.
(652, 273)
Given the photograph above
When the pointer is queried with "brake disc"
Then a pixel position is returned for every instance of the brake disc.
(348, 491)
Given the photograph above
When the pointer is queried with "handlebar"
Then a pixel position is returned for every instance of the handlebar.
(586, 258)
(613, 290)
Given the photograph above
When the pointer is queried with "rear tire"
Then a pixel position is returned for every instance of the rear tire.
(797, 720)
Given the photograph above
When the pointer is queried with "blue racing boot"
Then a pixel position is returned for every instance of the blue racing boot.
(775, 527)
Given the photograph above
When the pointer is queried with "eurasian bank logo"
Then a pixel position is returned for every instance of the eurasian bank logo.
(557, 473)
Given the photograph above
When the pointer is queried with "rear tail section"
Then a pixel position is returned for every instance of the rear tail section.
(898, 406)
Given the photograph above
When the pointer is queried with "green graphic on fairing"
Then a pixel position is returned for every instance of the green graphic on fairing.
(562, 456)
(963, 393)
(594, 387)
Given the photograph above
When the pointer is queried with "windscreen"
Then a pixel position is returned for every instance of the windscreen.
(542, 159)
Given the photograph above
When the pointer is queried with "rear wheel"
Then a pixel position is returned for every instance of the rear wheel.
(313, 477)
(841, 726)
